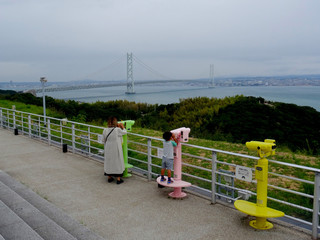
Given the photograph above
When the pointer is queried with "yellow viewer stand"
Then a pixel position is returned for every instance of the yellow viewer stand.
(260, 209)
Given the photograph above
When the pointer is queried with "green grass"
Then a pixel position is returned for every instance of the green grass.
(22, 107)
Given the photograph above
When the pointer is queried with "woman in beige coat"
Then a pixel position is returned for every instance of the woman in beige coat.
(113, 155)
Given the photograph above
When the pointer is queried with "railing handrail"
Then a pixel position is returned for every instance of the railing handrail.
(316, 170)
(58, 119)
(221, 151)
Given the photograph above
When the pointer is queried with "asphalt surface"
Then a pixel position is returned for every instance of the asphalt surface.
(48, 194)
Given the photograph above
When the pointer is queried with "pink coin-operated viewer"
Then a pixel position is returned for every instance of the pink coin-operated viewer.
(182, 135)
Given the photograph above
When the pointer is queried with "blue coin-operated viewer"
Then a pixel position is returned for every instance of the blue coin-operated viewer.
(128, 126)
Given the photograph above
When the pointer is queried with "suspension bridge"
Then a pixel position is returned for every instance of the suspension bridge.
(130, 82)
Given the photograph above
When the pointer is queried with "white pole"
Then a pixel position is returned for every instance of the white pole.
(315, 217)
(43, 80)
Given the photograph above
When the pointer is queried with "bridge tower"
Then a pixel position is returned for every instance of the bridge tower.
(211, 83)
(130, 81)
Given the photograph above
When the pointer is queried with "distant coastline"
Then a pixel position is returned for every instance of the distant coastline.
(163, 94)
(288, 80)
(302, 90)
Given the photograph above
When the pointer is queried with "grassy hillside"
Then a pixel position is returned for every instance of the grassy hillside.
(28, 108)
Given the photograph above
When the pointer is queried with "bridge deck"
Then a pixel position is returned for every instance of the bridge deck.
(136, 209)
(110, 84)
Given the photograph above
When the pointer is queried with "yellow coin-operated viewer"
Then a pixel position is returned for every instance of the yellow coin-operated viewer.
(260, 209)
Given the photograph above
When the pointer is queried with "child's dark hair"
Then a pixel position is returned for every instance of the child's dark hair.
(167, 135)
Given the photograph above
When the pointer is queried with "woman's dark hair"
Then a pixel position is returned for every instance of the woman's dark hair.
(167, 135)
(112, 122)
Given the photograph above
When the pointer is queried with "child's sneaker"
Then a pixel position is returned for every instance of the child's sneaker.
(162, 179)
(170, 180)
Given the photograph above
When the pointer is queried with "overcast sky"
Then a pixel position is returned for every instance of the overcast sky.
(67, 40)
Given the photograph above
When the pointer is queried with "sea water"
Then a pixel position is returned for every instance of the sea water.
(164, 94)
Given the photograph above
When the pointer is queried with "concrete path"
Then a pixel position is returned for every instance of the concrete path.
(137, 209)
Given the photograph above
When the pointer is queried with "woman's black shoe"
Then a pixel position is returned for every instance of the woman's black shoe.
(110, 179)
(119, 181)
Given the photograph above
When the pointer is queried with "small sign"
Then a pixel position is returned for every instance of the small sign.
(99, 138)
(160, 152)
(64, 121)
(244, 173)
(228, 179)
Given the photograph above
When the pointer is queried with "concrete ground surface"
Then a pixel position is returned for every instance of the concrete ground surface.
(136, 209)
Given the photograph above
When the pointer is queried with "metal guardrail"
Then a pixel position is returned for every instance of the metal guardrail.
(208, 169)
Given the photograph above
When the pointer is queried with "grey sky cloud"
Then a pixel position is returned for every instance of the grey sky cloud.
(70, 39)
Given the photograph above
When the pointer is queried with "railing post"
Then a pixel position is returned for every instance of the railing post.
(22, 127)
(61, 139)
(8, 119)
(213, 177)
(49, 131)
(149, 160)
(14, 118)
(73, 139)
(29, 125)
(89, 142)
(1, 124)
(39, 127)
(315, 217)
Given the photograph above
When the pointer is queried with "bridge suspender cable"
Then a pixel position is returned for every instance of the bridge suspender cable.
(111, 65)
(150, 69)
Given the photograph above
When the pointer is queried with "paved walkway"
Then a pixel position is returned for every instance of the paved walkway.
(136, 209)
